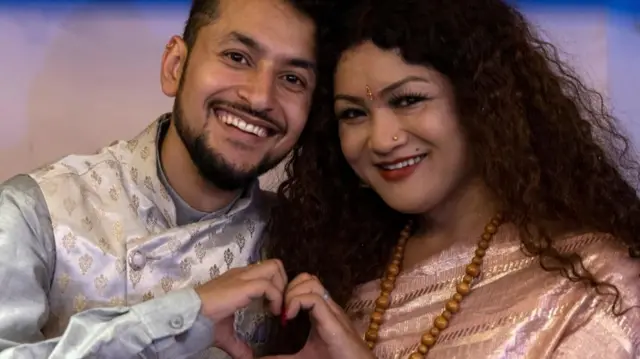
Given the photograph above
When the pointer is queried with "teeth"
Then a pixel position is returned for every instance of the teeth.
(405, 163)
(239, 123)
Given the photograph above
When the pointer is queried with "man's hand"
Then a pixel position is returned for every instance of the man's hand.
(236, 289)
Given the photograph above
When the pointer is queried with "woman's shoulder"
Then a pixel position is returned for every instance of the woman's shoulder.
(617, 299)
(607, 258)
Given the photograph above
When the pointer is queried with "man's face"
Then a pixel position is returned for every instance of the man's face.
(244, 90)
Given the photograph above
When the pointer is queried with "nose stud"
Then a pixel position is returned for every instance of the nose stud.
(395, 138)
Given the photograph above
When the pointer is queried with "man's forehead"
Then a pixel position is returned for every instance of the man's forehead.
(274, 27)
(265, 16)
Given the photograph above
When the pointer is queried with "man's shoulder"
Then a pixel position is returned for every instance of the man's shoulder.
(77, 164)
(21, 189)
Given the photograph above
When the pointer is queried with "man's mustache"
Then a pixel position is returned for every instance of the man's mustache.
(260, 114)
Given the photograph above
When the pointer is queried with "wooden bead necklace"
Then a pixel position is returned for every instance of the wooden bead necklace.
(441, 322)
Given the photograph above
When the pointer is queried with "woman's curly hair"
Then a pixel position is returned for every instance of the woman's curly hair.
(543, 142)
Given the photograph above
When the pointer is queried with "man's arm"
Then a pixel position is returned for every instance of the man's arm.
(171, 324)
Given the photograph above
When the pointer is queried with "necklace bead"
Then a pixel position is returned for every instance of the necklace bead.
(452, 306)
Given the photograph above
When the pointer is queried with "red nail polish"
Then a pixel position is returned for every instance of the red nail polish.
(283, 318)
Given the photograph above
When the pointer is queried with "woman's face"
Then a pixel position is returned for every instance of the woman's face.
(399, 128)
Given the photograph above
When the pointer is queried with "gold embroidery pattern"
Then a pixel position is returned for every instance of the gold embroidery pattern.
(131, 145)
(166, 283)
(144, 154)
(88, 224)
(69, 205)
(100, 283)
(121, 265)
(63, 282)
(241, 241)
(185, 266)
(214, 272)
(113, 193)
(79, 303)
(85, 263)
(96, 178)
(134, 175)
(117, 231)
(117, 302)
(173, 245)
(147, 296)
(251, 226)
(103, 245)
(135, 204)
(200, 251)
(148, 182)
(134, 277)
(69, 241)
(228, 257)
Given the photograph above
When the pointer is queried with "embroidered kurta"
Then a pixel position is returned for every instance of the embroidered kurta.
(95, 262)
(516, 310)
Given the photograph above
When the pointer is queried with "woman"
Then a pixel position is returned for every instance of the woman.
(461, 194)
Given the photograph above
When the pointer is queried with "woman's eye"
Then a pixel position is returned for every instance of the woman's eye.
(406, 101)
(349, 114)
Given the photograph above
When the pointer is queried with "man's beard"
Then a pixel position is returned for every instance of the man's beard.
(211, 164)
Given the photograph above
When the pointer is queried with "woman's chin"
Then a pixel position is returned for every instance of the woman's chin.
(407, 204)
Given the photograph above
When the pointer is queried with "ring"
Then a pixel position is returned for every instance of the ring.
(326, 295)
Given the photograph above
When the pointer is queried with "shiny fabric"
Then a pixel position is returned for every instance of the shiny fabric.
(92, 261)
(516, 310)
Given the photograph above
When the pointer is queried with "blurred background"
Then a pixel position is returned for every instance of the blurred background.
(76, 75)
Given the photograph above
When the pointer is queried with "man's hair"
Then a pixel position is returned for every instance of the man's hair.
(205, 12)
(202, 13)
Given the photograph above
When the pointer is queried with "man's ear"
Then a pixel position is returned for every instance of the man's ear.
(173, 60)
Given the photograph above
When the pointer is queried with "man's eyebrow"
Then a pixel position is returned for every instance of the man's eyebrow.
(254, 45)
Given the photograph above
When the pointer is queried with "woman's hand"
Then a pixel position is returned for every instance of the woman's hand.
(332, 335)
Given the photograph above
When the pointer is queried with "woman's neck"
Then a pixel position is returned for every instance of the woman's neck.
(461, 218)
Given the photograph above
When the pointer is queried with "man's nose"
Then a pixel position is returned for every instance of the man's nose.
(258, 92)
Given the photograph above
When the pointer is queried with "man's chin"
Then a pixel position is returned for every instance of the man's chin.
(229, 178)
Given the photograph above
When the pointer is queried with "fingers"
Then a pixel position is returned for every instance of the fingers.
(304, 284)
(300, 285)
(301, 278)
(259, 288)
(324, 318)
(271, 269)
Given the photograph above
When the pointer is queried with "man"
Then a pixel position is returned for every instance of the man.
(99, 254)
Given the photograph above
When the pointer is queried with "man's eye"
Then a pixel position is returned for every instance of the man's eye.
(237, 57)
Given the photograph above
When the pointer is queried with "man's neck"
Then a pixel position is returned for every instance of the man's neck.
(184, 178)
